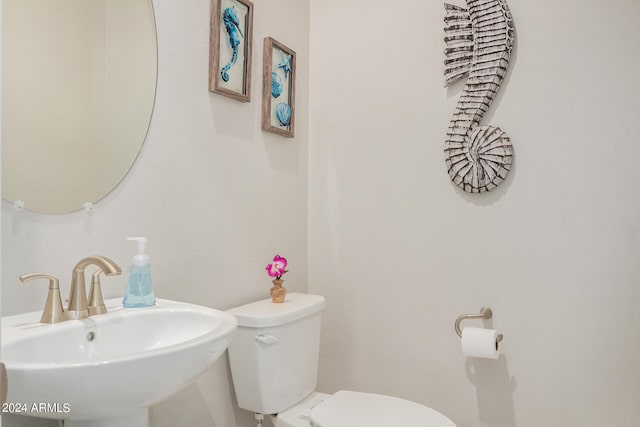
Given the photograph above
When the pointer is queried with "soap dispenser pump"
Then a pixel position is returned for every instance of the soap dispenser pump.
(139, 291)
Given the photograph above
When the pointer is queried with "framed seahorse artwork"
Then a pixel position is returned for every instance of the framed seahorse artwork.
(278, 88)
(230, 48)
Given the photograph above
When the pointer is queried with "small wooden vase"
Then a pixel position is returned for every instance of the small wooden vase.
(278, 292)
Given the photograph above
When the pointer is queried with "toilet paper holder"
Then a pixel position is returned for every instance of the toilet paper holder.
(485, 313)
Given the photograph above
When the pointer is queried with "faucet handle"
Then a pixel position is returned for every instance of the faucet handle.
(53, 311)
(96, 302)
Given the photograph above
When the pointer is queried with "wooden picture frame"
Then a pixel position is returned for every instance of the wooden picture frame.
(230, 48)
(278, 88)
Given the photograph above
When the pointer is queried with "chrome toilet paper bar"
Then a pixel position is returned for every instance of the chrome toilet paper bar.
(485, 313)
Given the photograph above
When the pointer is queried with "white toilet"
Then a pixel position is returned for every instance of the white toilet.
(274, 365)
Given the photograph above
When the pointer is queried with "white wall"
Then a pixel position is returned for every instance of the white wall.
(215, 195)
(399, 252)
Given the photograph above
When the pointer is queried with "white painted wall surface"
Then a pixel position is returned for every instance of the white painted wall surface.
(399, 252)
(215, 195)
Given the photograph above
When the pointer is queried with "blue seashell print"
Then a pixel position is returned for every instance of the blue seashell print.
(283, 114)
(276, 85)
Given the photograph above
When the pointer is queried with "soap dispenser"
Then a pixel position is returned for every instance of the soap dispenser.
(139, 291)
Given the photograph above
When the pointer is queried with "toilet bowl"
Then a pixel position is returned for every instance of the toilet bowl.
(350, 408)
(274, 366)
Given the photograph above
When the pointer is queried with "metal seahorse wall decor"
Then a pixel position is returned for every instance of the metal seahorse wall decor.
(232, 26)
(478, 40)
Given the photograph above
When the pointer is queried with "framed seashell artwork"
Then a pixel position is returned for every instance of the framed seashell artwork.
(278, 88)
(230, 48)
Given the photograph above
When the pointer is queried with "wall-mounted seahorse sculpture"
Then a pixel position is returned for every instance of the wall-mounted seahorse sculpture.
(478, 45)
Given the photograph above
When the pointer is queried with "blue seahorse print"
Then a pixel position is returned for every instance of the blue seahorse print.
(232, 25)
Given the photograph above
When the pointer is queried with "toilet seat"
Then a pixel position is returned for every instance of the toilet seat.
(350, 408)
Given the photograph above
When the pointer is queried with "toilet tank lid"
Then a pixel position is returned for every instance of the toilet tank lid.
(265, 313)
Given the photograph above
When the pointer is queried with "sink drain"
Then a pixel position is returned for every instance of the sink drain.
(91, 336)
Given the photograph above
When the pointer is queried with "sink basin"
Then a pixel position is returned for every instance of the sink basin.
(114, 364)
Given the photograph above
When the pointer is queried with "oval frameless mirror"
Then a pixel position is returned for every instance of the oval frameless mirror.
(78, 88)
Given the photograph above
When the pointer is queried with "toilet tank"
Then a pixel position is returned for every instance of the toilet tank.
(274, 355)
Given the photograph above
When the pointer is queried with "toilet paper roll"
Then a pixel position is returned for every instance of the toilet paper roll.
(480, 342)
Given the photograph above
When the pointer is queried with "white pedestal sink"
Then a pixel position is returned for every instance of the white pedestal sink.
(107, 370)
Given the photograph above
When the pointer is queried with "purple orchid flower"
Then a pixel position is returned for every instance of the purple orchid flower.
(277, 268)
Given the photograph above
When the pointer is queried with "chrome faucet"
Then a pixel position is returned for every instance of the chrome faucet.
(78, 308)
